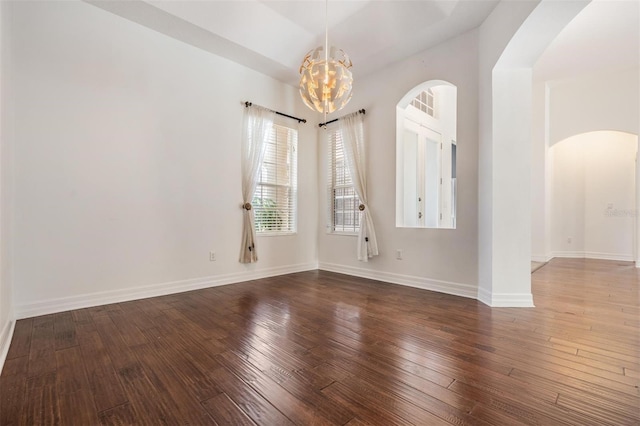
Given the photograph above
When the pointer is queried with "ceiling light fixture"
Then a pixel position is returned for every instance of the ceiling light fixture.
(325, 80)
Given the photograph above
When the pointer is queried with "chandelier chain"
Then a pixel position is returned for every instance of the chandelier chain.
(326, 80)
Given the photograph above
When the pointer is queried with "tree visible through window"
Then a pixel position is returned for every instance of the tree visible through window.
(344, 215)
(275, 199)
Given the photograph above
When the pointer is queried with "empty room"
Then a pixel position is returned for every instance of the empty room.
(319, 212)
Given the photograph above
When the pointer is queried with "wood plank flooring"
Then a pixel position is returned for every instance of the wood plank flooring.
(318, 348)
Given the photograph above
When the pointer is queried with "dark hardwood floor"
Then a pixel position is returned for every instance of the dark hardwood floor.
(319, 348)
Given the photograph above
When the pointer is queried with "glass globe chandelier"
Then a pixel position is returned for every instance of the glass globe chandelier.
(325, 78)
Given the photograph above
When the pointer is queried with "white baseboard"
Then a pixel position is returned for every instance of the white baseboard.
(569, 254)
(484, 296)
(510, 300)
(62, 304)
(505, 300)
(541, 258)
(6, 334)
(593, 255)
(456, 289)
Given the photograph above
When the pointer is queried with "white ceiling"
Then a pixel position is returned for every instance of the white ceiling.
(273, 36)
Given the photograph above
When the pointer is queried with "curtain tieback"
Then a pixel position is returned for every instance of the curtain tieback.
(246, 206)
(361, 207)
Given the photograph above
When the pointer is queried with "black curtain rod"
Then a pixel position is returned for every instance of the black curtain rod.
(362, 111)
(300, 120)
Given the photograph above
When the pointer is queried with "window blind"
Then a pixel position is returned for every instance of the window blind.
(343, 203)
(275, 199)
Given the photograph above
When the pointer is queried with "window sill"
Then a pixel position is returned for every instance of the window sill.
(345, 234)
(276, 234)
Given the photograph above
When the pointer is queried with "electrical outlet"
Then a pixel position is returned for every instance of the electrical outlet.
(569, 239)
(399, 254)
(212, 256)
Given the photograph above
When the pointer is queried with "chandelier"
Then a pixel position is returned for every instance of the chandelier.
(325, 79)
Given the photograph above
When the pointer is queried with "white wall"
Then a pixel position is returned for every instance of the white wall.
(441, 259)
(603, 101)
(637, 221)
(593, 201)
(494, 36)
(127, 162)
(540, 176)
(607, 100)
(567, 197)
(6, 294)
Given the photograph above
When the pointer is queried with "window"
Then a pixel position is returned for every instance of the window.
(275, 199)
(426, 102)
(344, 215)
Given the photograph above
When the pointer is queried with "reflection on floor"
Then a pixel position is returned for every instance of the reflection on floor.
(536, 265)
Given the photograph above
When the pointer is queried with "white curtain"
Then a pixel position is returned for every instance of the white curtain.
(258, 123)
(352, 129)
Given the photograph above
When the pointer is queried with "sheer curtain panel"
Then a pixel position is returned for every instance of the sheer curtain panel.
(258, 123)
(352, 129)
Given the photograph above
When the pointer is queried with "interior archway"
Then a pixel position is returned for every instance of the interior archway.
(505, 213)
(426, 153)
